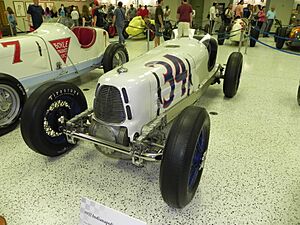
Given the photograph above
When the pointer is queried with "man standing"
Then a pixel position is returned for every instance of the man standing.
(185, 18)
(75, 16)
(36, 13)
(159, 23)
(131, 13)
(119, 21)
(271, 15)
(99, 17)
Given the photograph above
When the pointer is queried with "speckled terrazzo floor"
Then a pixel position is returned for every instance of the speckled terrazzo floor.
(252, 173)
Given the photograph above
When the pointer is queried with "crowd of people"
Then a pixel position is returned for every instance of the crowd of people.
(256, 14)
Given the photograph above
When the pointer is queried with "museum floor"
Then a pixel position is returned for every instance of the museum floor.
(251, 174)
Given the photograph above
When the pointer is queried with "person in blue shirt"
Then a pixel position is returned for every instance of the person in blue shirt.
(271, 15)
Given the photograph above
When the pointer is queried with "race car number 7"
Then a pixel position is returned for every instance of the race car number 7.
(17, 52)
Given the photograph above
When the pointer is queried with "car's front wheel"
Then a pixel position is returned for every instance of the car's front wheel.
(184, 156)
(12, 99)
(44, 114)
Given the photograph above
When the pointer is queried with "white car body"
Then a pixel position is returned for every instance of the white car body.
(52, 52)
(142, 89)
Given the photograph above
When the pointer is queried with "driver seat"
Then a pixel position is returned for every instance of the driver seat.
(85, 35)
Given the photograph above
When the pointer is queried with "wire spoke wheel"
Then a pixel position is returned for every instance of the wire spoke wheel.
(9, 104)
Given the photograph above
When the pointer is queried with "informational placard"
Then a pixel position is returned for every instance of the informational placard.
(93, 213)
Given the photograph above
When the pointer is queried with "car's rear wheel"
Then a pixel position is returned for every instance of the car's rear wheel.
(281, 37)
(12, 99)
(222, 34)
(42, 124)
(254, 35)
(232, 74)
(115, 55)
(184, 156)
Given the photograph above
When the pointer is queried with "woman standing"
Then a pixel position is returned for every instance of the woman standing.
(86, 16)
(261, 16)
(12, 21)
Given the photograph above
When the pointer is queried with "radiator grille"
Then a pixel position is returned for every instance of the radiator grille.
(108, 105)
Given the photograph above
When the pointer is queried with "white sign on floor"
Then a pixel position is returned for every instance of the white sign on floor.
(93, 213)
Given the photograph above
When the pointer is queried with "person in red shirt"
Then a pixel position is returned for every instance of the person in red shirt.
(185, 18)
(144, 12)
(139, 11)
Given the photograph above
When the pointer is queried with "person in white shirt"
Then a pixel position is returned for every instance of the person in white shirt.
(75, 16)
(212, 17)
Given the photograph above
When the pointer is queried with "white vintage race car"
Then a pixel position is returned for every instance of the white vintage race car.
(52, 52)
(238, 31)
(132, 106)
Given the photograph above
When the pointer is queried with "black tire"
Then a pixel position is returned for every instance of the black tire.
(232, 74)
(280, 40)
(222, 34)
(276, 34)
(298, 95)
(184, 156)
(13, 93)
(40, 128)
(168, 31)
(115, 55)
(206, 28)
(254, 33)
(212, 48)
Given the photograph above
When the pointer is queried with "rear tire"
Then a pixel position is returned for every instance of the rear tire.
(254, 33)
(184, 156)
(222, 34)
(12, 100)
(115, 55)
(40, 126)
(232, 74)
(280, 40)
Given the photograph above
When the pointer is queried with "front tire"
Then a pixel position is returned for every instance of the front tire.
(40, 125)
(115, 55)
(232, 74)
(12, 100)
(184, 156)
